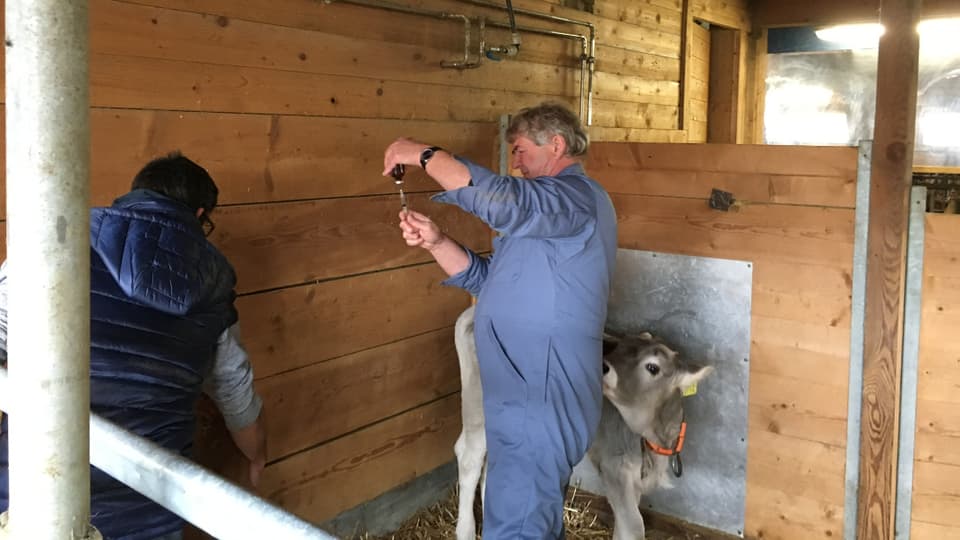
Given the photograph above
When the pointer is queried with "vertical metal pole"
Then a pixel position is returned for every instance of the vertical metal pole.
(48, 138)
(591, 71)
(504, 147)
(911, 360)
(857, 313)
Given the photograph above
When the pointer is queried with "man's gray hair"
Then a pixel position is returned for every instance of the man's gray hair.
(541, 123)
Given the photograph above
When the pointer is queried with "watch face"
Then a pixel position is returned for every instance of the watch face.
(426, 155)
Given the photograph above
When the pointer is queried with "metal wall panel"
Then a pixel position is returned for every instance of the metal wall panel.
(700, 306)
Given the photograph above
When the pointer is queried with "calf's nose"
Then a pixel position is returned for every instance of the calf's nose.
(606, 368)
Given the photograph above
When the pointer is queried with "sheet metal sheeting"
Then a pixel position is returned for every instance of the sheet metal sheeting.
(700, 306)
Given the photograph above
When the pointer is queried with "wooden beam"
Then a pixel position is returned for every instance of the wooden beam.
(883, 325)
(754, 87)
(768, 232)
(725, 158)
(344, 316)
(726, 13)
(278, 245)
(724, 94)
(319, 483)
(333, 397)
(773, 13)
(341, 473)
(684, 67)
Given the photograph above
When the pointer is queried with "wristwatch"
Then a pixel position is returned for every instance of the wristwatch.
(427, 154)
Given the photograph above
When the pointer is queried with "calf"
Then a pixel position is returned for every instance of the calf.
(471, 446)
(642, 425)
(641, 413)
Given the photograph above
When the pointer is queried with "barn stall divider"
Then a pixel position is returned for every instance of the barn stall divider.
(793, 218)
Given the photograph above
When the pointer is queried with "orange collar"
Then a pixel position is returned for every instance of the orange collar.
(657, 449)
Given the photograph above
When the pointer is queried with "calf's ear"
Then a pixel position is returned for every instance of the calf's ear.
(610, 343)
(691, 375)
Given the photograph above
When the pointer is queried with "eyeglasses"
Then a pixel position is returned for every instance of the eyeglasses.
(206, 224)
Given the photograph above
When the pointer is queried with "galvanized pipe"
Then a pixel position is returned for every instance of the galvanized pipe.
(588, 45)
(909, 370)
(857, 314)
(48, 138)
(466, 63)
(181, 486)
(530, 13)
(590, 59)
(592, 64)
(206, 500)
(585, 100)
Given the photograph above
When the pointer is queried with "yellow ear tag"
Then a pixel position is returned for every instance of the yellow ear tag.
(690, 390)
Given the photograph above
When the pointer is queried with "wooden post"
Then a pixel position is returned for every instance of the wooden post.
(883, 324)
(754, 87)
(723, 113)
(684, 109)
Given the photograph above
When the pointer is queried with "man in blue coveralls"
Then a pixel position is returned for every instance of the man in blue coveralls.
(541, 307)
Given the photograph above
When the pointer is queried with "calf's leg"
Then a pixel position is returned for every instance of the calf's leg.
(471, 452)
(624, 499)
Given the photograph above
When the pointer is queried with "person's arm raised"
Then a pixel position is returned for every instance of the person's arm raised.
(442, 167)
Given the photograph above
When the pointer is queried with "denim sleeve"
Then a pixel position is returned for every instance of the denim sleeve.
(472, 278)
(545, 207)
(230, 383)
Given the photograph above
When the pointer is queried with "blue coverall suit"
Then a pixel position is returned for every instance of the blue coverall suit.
(541, 308)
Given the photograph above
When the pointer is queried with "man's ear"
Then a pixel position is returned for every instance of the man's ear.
(558, 145)
(199, 212)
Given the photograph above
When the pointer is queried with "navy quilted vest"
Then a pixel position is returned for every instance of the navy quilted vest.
(161, 295)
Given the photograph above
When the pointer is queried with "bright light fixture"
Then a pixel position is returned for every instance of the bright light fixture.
(937, 32)
(857, 36)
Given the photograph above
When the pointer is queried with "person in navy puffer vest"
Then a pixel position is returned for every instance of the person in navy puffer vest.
(163, 329)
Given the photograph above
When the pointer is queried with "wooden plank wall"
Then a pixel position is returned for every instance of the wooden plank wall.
(936, 475)
(796, 224)
(289, 104)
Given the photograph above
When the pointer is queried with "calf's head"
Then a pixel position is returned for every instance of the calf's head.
(641, 375)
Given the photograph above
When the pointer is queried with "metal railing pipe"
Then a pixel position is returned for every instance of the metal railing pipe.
(209, 502)
(48, 250)
(206, 500)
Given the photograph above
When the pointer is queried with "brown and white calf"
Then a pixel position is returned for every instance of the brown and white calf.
(642, 414)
